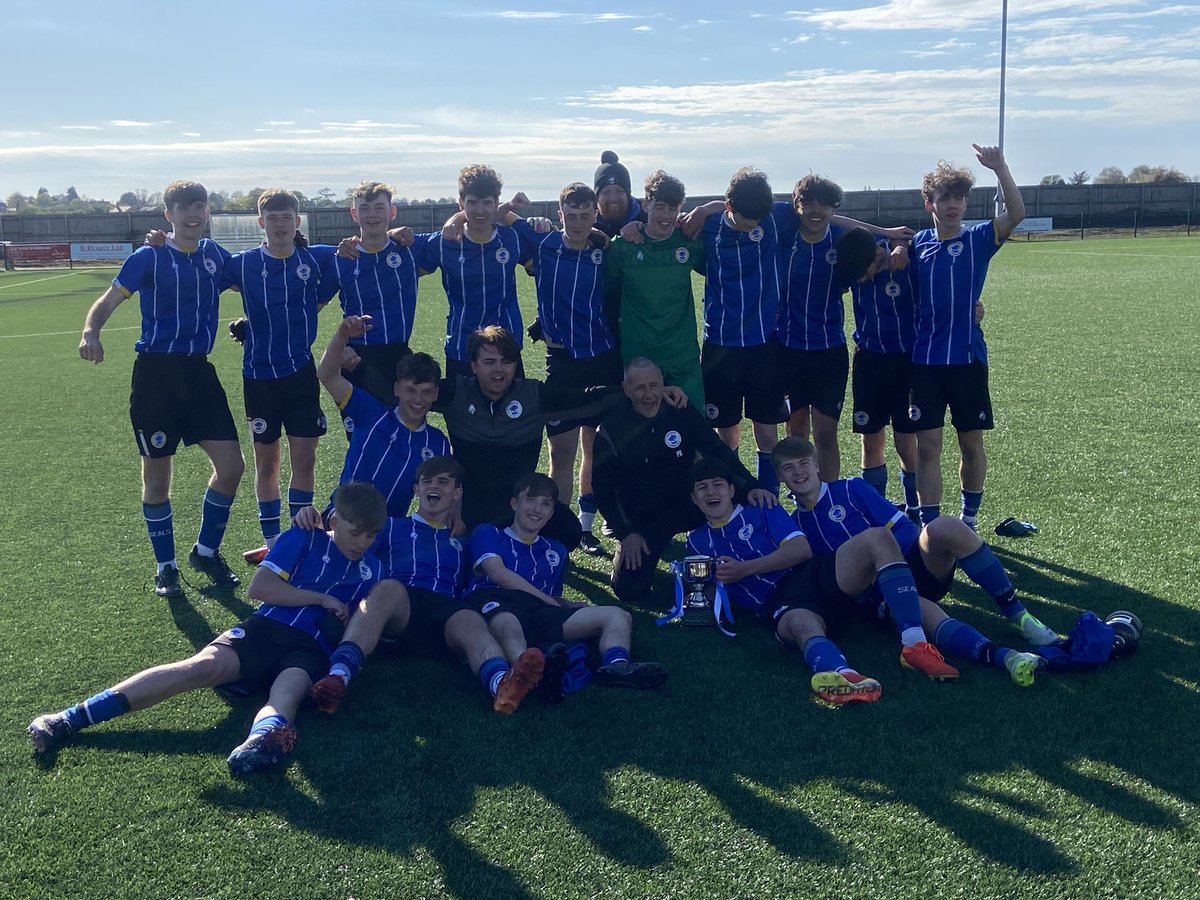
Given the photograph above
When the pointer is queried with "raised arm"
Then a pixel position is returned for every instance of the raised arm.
(1014, 203)
(329, 371)
(90, 347)
(899, 233)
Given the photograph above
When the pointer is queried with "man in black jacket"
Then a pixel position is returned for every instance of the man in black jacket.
(643, 453)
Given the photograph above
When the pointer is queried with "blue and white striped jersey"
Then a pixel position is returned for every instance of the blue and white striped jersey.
(884, 315)
(811, 314)
(752, 532)
(541, 563)
(384, 451)
(311, 561)
(421, 555)
(950, 277)
(570, 292)
(280, 298)
(741, 286)
(480, 282)
(383, 286)
(848, 507)
(178, 294)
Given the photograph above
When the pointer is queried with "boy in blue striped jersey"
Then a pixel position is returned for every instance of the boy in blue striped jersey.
(379, 282)
(581, 349)
(176, 394)
(429, 614)
(517, 582)
(950, 365)
(282, 291)
(308, 585)
(387, 443)
(837, 513)
(478, 271)
(767, 567)
(884, 322)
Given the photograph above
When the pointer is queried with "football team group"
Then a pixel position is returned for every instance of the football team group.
(453, 544)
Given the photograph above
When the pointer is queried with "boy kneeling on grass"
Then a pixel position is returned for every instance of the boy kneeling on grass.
(516, 584)
(308, 584)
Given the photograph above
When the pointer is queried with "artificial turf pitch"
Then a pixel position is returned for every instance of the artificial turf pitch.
(730, 781)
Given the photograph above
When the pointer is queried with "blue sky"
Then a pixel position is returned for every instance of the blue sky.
(113, 96)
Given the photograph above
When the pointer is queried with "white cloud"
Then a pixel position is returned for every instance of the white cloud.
(129, 123)
(80, 127)
(939, 15)
(643, 28)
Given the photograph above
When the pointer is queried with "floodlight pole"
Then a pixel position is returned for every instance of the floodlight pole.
(1003, 72)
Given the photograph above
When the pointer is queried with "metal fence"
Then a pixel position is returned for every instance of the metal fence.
(1077, 207)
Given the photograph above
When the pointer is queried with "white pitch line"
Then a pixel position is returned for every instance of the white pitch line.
(1130, 255)
(36, 280)
(57, 333)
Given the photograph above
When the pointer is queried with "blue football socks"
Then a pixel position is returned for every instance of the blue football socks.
(982, 567)
(268, 519)
(96, 709)
(346, 660)
(213, 520)
(767, 476)
(297, 500)
(823, 655)
(160, 523)
(492, 672)
(876, 477)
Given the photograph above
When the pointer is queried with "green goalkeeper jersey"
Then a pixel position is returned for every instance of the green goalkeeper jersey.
(658, 311)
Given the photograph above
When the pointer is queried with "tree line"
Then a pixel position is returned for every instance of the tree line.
(71, 201)
(1142, 174)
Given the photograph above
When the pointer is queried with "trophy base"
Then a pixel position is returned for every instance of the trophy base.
(697, 617)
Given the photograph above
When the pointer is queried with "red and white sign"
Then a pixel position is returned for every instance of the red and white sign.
(39, 252)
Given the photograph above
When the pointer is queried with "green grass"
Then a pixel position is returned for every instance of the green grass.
(729, 782)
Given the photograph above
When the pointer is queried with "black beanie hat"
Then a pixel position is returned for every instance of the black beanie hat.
(612, 172)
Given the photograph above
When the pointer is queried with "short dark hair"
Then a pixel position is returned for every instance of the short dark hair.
(792, 448)
(749, 193)
(577, 194)
(494, 336)
(369, 190)
(420, 368)
(822, 190)
(665, 188)
(708, 467)
(185, 192)
(442, 465)
(277, 198)
(947, 181)
(360, 504)
(535, 484)
(479, 180)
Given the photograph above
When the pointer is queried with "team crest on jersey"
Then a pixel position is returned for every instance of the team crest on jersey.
(837, 513)
(426, 453)
(364, 570)
(860, 417)
(892, 289)
(158, 439)
(955, 249)
(982, 416)
(831, 256)
(210, 266)
(597, 256)
(489, 606)
(710, 410)
(682, 255)
(672, 439)
(471, 410)
(514, 409)
(554, 423)
(322, 422)
(746, 531)
(756, 233)
(456, 544)
(258, 426)
(914, 413)
(348, 424)
(303, 272)
(502, 255)
(393, 260)
(552, 557)
(640, 256)
(236, 633)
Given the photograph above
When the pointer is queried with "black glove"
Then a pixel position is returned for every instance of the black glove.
(535, 331)
(237, 330)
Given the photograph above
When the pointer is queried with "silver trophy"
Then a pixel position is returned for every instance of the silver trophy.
(696, 574)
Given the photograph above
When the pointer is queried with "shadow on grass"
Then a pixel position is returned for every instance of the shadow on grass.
(416, 759)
